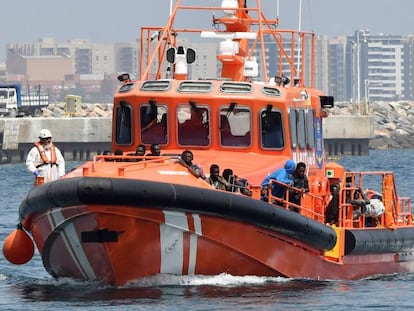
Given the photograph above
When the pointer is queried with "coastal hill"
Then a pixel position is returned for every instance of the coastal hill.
(393, 121)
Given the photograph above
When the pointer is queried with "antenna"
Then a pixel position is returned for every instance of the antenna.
(300, 39)
(277, 8)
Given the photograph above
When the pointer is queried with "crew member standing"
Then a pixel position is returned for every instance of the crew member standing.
(45, 159)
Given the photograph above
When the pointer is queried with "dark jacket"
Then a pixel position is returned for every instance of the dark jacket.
(301, 182)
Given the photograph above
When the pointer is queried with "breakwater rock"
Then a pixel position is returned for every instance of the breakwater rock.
(86, 110)
(393, 122)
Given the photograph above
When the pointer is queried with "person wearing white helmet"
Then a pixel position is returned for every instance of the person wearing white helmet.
(45, 159)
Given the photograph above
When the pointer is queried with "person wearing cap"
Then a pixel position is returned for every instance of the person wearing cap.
(45, 159)
(282, 175)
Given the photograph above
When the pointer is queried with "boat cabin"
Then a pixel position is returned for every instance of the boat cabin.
(219, 115)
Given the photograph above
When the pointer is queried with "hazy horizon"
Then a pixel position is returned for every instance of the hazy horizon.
(111, 22)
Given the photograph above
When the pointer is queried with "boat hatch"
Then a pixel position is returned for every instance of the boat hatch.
(271, 91)
(233, 87)
(196, 87)
(161, 85)
(126, 87)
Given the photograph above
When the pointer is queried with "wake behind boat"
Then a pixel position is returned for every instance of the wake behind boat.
(122, 217)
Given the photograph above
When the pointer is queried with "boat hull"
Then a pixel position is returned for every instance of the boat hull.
(106, 229)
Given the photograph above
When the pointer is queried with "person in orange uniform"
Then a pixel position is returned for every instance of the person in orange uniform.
(45, 159)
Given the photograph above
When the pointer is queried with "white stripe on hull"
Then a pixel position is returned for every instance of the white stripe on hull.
(72, 243)
(193, 244)
(172, 242)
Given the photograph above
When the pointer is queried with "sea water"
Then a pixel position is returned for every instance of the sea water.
(29, 287)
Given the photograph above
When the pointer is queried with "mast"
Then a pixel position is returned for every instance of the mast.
(298, 64)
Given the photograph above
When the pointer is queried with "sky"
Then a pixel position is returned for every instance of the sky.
(110, 21)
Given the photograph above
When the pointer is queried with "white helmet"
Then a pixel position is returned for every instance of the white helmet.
(44, 133)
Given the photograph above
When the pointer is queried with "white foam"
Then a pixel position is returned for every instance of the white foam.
(222, 279)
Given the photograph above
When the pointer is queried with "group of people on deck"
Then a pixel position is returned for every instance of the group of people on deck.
(46, 160)
(292, 175)
(227, 181)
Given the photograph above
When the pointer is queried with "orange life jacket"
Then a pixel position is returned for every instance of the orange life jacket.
(43, 155)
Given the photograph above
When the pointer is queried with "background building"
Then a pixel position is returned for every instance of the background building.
(358, 67)
(368, 66)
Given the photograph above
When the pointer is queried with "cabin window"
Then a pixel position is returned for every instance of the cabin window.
(310, 129)
(271, 128)
(193, 125)
(153, 123)
(235, 126)
(123, 126)
(292, 126)
(301, 128)
(195, 87)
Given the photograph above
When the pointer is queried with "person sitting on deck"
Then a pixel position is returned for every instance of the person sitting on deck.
(118, 152)
(236, 184)
(187, 161)
(280, 175)
(155, 150)
(140, 151)
(215, 179)
(358, 200)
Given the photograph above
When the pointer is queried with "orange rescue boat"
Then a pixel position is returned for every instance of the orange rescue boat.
(122, 217)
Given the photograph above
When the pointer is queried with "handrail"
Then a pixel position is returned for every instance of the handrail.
(129, 161)
(352, 202)
(312, 206)
(244, 21)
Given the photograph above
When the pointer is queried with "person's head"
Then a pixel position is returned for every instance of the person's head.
(214, 171)
(155, 149)
(140, 151)
(187, 157)
(227, 173)
(118, 152)
(300, 168)
(290, 166)
(45, 137)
